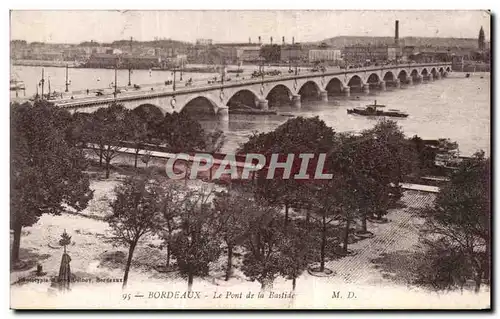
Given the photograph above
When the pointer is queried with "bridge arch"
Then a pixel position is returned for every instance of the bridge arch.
(434, 72)
(388, 76)
(200, 105)
(309, 89)
(373, 78)
(278, 95)
(448, 69)
(355, 82)
(334, 86)
(441, 70)
(245, 96)
(403, 76)
(148, 110)
(424, 72)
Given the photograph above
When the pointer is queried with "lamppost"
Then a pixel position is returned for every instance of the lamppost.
(182, 66)
(223, 71)
(262, 67)
(116, 79)
(130, 65)
(173, 73)
(42, 81)
(67, 82)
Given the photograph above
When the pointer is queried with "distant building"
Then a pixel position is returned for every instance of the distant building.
(140, 62)
(229, 54)
(325, 55)
(248, 54)
(103, 60)
(372, 53)
(293, 52)
(49, 56)
(75, 54)
(204, 42)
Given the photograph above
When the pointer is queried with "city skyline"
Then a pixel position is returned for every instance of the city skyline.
(240, 26)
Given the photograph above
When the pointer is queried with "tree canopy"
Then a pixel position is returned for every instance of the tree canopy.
(47, 172)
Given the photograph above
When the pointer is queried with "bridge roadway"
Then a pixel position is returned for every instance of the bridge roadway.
(218, 95)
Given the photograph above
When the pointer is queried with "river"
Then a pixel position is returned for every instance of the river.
(455, 107)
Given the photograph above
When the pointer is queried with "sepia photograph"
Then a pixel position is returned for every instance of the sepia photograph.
(250, 159)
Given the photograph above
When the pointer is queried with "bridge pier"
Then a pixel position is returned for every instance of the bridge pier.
(397, 83)
(438, 76)
(223, 113)
(296, 101)
(430, 78)
(382, 85)
(347, 91)
(445, 74)
(263, 104)
(366, 88)
(409, 81)
(323, 96)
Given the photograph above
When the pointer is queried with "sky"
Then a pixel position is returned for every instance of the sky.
(239, 26)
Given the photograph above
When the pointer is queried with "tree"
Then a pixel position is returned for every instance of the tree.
(327, 209)
(171, 202)
(382, 157)
(135, 213)
(108, 131)
(272, 53)
(295, 252)
(214, 141)
(78, 130)
(231, 211)
(262, 261)
(196, 245)
(47, 174)
(459, 222)
(137, 133)
(298, 135)
(181, 133)
(152, 116)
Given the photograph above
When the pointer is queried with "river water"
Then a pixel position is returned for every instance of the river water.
(455, 107)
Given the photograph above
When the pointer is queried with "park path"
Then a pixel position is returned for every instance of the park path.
(399, 234)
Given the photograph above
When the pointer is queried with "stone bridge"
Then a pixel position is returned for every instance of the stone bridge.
(262, 92)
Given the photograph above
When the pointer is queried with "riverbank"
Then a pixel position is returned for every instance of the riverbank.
(44, 63)
(80, 65)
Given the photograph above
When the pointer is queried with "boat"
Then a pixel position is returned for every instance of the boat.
(372, 110)
(240, 108)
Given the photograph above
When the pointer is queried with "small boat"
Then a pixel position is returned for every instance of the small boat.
(371, 110)
(467, 75)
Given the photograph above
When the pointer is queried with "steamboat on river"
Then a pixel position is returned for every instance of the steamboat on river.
(371, 110)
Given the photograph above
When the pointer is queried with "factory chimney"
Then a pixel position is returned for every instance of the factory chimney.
(396, 35)
(259, 40)
(249, 40)
(283, 40)
(293, 40)
(271, 40)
